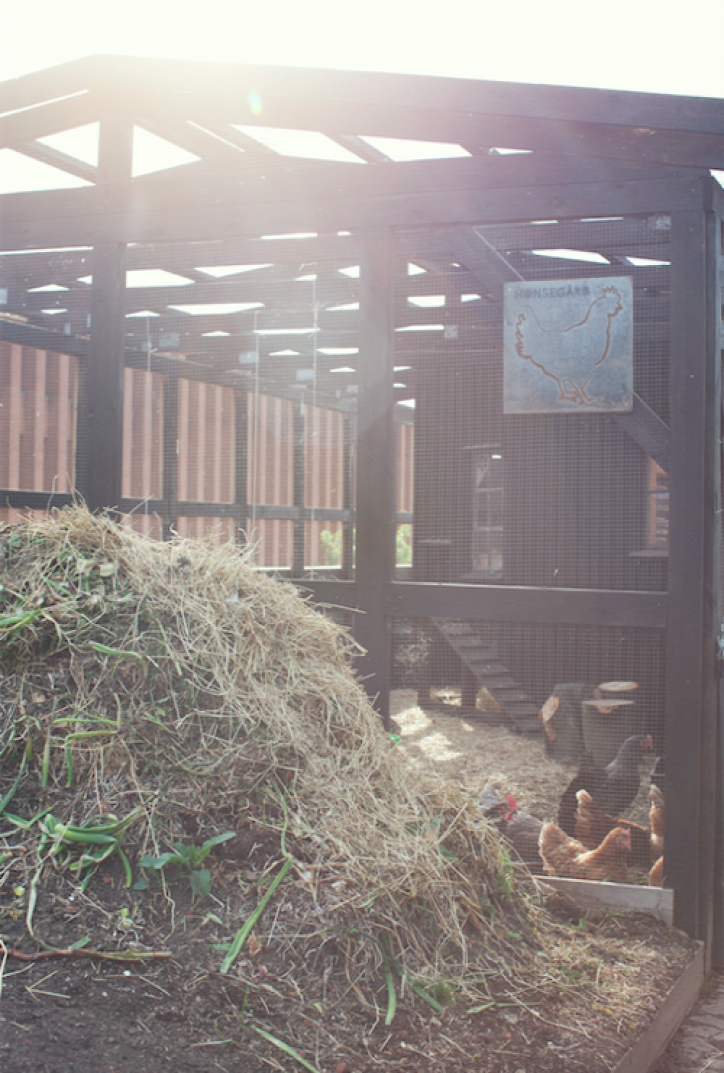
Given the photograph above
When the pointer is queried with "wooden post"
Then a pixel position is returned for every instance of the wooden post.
(376, 486)
(102, 441)
(299, 450)
(348, 527)
(241, 454)
(694, 544)
(170, 456)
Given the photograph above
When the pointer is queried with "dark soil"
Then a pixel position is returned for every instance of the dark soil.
(80, 1012)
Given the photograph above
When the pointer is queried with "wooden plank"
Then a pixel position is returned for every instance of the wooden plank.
(616, 897)
(648, 430)
(47, 119)
(56, 159)
(298, 486)
(192, 139)
(659, 1032)
(40, 86)
(375, 484)
(346, 196)
(41, 501)
(68, 265)
(641, 237)
(281, 181)
(454, 110)
(101, 448)
(241, 454)
(505, 603)
(487, 266)
(170, 454)
(475, 132)
(42, 339)
(690, 711)
(245, 289)
(521, 603)
(469, 112)
(232, 82)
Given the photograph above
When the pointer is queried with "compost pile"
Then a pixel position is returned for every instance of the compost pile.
(184, 749)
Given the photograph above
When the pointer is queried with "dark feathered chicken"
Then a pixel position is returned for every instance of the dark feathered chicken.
(523, 832)
(612, 788)
(519, 828)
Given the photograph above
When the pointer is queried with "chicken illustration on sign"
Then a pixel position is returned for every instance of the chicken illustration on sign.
(569, 346)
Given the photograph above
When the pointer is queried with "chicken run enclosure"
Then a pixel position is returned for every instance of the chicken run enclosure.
(447, 353)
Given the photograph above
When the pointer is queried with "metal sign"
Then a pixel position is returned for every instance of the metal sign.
(568, 346)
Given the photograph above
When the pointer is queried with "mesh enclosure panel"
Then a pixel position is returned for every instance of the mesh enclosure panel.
(254, 345)
(45, 313)
(552, 499)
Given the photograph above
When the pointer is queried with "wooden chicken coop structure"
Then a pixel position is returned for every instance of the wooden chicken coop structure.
(449, 352)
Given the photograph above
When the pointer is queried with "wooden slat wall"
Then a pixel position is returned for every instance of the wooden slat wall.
(324, 475)
(205, 452)
(38, 403)
(142, 446)
(270, 476)
(38, 406)
(405, 463)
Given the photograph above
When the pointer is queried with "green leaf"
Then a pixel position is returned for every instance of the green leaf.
(11, 792)
(286, 1048)
(201, 882)
(243, 933)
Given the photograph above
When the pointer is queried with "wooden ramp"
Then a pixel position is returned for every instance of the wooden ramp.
(479, 653)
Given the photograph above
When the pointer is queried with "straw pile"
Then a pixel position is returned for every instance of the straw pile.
(147, 679)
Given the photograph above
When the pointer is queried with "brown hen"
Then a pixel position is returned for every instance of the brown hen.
(656, 817)
(564, 856)
(592, 826)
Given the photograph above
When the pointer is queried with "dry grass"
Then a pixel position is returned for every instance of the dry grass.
(175, 676)
(151, 682)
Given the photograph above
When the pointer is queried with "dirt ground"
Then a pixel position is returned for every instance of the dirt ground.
(132, 981)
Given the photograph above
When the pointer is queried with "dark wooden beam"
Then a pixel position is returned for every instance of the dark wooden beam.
(595, 235)
(409, 195)
(56, 159)
(361, 148)
(32, 336)
(648, 430)
(232, 83)
(376, 447)
(563, 137)
(191, 138)
(461, 111)
(480, 113)
(506, 603)
(49, 84)
(241, 455)
(46, 119)
(298, 486)
(254, 149)
(101, 448)
(170, 451)
(67, 265)
(489, 268)
(40, 501)
(520, 603)
(694, 617)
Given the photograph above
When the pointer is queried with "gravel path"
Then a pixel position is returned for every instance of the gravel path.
(698, 1046)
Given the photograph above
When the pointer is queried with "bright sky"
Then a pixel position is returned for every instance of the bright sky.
(611, 44)
(650, 45)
